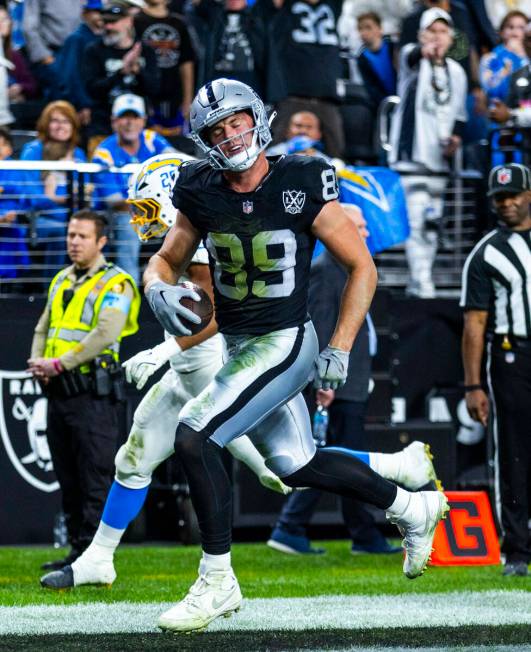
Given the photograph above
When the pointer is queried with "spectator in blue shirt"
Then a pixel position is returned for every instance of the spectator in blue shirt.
(71, 54)
(14, 254)
(131, 143)
(46, 192)
(376, 58)
(496, 67)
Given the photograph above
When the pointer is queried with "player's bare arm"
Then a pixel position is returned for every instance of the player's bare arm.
(174, 256)
(340, 235)
(162, 273)
(473, 344)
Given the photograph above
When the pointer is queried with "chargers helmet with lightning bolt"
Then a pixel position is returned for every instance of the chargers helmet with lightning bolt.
(150, 194)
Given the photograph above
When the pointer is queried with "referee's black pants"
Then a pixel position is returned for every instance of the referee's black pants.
(510, 381)
(83, 436)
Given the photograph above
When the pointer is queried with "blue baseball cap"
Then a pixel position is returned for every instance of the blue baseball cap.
(93, 5)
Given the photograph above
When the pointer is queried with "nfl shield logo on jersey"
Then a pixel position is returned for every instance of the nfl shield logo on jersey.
(504, 176)
(293, 201)
(23, 420)
(247, 207)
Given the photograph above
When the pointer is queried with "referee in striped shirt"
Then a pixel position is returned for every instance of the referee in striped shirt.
(496, 298)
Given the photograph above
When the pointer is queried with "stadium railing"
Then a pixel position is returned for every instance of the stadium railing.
(457, 230)
(33, 247)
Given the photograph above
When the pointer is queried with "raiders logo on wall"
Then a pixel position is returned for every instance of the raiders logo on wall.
(23, 429)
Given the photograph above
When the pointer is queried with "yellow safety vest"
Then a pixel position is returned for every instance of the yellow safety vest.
(68, 327)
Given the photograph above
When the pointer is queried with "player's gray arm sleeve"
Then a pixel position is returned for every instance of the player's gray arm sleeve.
(165, 301)
(40, 334)
(110, 324)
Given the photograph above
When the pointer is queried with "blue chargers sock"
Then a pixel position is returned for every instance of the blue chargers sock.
(122, 505)
(361, 455)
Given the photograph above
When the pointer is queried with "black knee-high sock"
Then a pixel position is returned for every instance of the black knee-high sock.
(344, 474)
(210, 487)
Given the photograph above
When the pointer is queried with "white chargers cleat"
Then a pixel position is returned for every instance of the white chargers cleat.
(84, 570)
(215, 593)
(417, 525)
(416, 467)
(91, 570)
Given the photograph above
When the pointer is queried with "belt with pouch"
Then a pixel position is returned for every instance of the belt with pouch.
(104, 378)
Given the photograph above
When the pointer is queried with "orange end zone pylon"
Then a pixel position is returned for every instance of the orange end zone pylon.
(468, 536)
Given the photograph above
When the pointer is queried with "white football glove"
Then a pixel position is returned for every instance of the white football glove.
(143, 365)
(165, 301)
(271, 481)
(331, 368)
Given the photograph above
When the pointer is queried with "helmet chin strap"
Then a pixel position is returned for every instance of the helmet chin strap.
(244, 160)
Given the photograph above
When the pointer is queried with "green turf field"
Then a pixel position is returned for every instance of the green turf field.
(334, 601)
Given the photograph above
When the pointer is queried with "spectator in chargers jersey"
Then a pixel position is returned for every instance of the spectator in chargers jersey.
(496, 67)
(121, 64)
(167, 34)
(131, 143)
(516, 112)
(517, 109)
(13, 236)
(58, 129)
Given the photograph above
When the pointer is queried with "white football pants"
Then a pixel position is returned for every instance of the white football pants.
(425, 200)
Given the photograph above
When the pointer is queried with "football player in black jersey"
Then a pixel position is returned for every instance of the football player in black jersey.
(259, 219)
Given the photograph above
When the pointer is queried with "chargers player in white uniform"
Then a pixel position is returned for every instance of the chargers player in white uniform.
(194, 361)
(259, 218)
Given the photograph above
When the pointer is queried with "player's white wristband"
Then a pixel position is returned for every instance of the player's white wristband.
(167, 349)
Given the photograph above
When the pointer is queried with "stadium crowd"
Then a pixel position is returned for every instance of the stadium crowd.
(111, 81)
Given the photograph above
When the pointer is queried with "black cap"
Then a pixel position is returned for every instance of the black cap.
(115, 11)
(512, 177)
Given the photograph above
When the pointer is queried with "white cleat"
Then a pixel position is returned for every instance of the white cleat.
(416, 468)
(417, 525)
(273, 482)
(90, 570)
(214, 594)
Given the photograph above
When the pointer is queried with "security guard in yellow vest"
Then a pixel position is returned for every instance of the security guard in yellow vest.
(92, 305)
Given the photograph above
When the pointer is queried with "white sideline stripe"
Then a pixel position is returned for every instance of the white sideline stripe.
(323, 612)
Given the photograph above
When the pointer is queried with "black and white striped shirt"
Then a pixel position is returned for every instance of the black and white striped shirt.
(497, 278)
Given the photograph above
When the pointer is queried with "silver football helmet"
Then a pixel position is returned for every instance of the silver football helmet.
(218, 100)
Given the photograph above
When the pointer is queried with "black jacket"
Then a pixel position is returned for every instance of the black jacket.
(327, 280)
(105, 81)
(213, 16)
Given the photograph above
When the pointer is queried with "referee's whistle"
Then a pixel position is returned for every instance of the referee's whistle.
(506, 344)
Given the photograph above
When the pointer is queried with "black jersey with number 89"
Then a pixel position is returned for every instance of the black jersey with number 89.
(260, 243)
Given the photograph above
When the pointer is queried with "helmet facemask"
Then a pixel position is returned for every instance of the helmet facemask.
(261, 137)
(146, 218)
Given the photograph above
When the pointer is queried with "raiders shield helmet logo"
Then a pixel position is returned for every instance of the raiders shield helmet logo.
(23, 429)
(293, 201)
